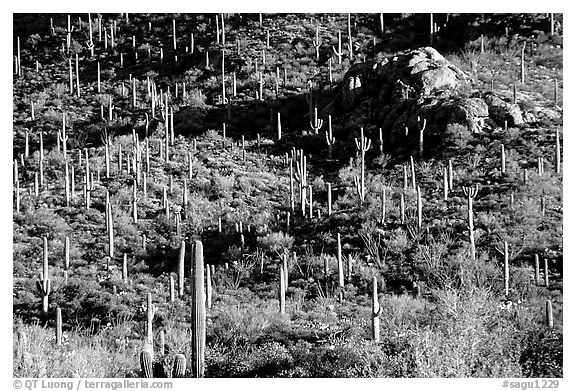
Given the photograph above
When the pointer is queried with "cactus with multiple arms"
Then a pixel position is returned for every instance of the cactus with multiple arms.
(362, 145)
(471, 193)
(330, 140)
(317, 123)
(43, 284)
(339, 53)
(317, 43)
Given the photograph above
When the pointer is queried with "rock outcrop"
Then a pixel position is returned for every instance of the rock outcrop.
(393, 92)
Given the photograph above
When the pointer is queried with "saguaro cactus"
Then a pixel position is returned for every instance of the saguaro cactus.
(179, 366)
(421, 128)
(536, 269)
(110, 231)
(413, 174)
(506, 270)
(450, 175)
(419, 206)
(208, 288)
(431, 29)
(471, 193)
(402, 208)
(291, 189)
(362, 145)
(125, 269)
(285, 266)
(198, 318)
(330, 140)
(172, 290)
(17, 191)
(77, 78)
(146, 364)
(445, 183)
(278, 127)
(383, 199)
(349, 267)
(522, 65)
(58, 326)
(329, 191)
(150, 311)
(317, 43)
(43, 283)
(316, 123)
(62, 136)
(282, 291)
(376, 311)
(546, 279)
(301, 176)
(340, 268)
(558, 153)
(339, 53)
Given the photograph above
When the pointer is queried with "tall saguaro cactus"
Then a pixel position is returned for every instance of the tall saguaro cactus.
(502, 159)
(198, 318)
(282, 291)
(419, 206)
(376, 311)
(62, 136)
(181, 269)
(317, 43)
(301, 175)
(506, 270)
(146, 364)
(278, 127)
(329, 191)
(340, 268)
(421, 128)
(522, 64)
(58, 326)
(125, 269)
(471, 193)
(43, 283)
(150, 311)
(110, 230)
(362, 145)
(558, 153)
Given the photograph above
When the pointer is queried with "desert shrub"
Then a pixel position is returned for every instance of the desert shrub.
(82, 355)
(463, 340)
(542, 355)
(43, 221)
(276, 242)
(269, 359)
(343, 357)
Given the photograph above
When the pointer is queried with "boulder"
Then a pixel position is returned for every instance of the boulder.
(501, 111)
(392, 92)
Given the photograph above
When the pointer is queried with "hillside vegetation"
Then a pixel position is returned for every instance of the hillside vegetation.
(240, 195)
